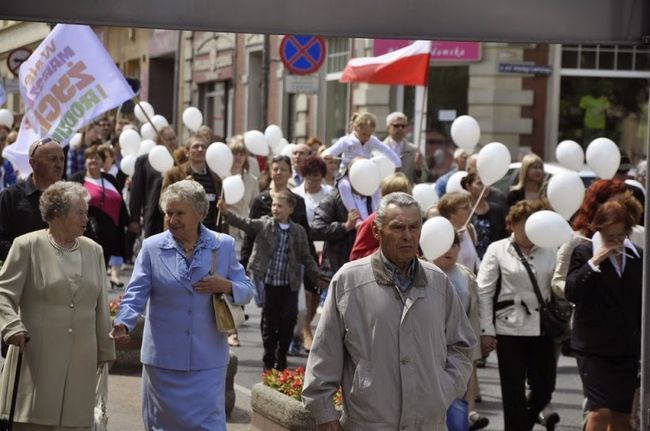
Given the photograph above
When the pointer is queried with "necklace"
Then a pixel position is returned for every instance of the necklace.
(59, 247)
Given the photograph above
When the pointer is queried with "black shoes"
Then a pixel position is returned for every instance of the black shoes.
(548, 419)
(116, 284)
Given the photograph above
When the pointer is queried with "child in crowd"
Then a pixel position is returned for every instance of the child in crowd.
(281, 247)
(358, 144)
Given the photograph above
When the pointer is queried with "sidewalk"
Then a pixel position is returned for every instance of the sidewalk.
(124, 405)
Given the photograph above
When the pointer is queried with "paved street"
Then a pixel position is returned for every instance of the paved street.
(124, 390)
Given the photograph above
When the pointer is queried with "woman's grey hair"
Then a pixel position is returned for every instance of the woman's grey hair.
(57, 199)
(400, 199)
(188, 191)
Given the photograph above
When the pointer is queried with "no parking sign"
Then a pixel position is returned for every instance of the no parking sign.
(302, 54)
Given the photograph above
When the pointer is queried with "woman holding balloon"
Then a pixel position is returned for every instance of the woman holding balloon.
(510, 319)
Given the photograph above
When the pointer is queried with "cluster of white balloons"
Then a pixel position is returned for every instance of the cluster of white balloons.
(492, 164)
(132, 145)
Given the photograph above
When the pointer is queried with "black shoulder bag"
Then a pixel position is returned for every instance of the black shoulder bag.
(555, 314)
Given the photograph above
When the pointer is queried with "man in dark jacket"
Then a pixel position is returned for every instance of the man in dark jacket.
(145, 191)
(337, 227)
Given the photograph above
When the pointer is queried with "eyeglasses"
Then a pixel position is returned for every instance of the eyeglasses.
(39, 143)
(399, 126)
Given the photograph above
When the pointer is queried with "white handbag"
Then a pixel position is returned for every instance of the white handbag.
(101, 399)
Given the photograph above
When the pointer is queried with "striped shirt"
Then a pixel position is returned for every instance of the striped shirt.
(277, 273)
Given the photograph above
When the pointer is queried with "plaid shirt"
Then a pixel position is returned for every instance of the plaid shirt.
(75, 162)
(277, 273)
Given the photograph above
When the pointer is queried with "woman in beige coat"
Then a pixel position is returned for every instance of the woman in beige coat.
(53, 294)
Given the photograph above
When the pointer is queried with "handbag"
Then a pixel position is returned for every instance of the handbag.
(457, 416)
(555, 314)
(228, 316)
(7, 424)
(100, 422)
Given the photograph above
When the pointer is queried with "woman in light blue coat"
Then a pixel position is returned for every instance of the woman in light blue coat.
(184, 355)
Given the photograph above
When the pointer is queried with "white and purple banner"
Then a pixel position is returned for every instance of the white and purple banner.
(16, 153)
(69, 80)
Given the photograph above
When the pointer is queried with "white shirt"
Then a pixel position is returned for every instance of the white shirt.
(501, 258)
(312, 199)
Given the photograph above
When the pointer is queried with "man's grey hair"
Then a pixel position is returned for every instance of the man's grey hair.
(188, 191)
(397, 115)
(58, 198)
(400, 199)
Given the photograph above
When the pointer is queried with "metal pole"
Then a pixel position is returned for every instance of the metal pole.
(266, 66)
(645, 313)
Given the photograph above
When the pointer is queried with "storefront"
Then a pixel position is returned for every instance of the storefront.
(603, 91)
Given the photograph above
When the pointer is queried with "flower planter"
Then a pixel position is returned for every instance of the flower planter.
(274, 411)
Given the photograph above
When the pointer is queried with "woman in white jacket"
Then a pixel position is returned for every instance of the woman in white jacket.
(510, 320)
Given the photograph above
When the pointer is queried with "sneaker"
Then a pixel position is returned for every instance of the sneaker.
(295, 348)
(477, 421)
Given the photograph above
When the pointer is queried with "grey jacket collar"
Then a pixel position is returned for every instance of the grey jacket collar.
(383, 276)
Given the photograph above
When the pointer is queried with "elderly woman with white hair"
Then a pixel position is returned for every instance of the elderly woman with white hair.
(175, 277)
(53, 291)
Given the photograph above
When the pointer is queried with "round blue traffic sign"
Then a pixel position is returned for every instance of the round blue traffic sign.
(302, 54)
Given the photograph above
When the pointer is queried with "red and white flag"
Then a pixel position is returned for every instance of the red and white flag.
(406, 66)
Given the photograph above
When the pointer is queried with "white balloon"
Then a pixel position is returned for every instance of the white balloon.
(436, 237)
(160, 122)
(75, 141)
(129, 142)
(493, 162)
(146, 106)
(147, 131)
(146, 146)
(273, 134)
(219, 158)
(280, 147)
(570, 155)
(364, 177)
(127, 164)
(384, 164)
(160, 159)
(192, 118)
(287, 150)
(466, 132)
(453, 184)
(565, 192)
(426, 196)
(233, 189)
(548, 229)
(256, 143)
(6, 118)
(603, 157)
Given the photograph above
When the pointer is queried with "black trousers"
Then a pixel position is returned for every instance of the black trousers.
(279, 315)
(522, 358)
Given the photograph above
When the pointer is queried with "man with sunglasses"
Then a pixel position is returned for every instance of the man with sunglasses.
(19, 211)
(413, 165)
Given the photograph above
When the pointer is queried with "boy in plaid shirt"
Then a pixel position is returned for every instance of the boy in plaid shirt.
(281, 247)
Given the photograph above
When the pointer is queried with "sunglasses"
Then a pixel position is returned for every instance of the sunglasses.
(399, 126)
(39, 143)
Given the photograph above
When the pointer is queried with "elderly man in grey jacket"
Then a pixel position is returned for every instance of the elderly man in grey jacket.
(393, 335)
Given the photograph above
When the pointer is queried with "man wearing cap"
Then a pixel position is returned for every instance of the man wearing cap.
(19, 211)
(413, 165)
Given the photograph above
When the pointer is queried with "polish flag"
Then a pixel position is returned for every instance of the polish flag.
(405, 66)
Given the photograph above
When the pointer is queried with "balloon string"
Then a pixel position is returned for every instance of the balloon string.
(474, 208)
(219, 212)
(591, 240)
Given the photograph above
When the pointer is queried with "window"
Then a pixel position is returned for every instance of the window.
(215, 105)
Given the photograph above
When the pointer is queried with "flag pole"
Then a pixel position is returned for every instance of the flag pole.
(421, 126)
